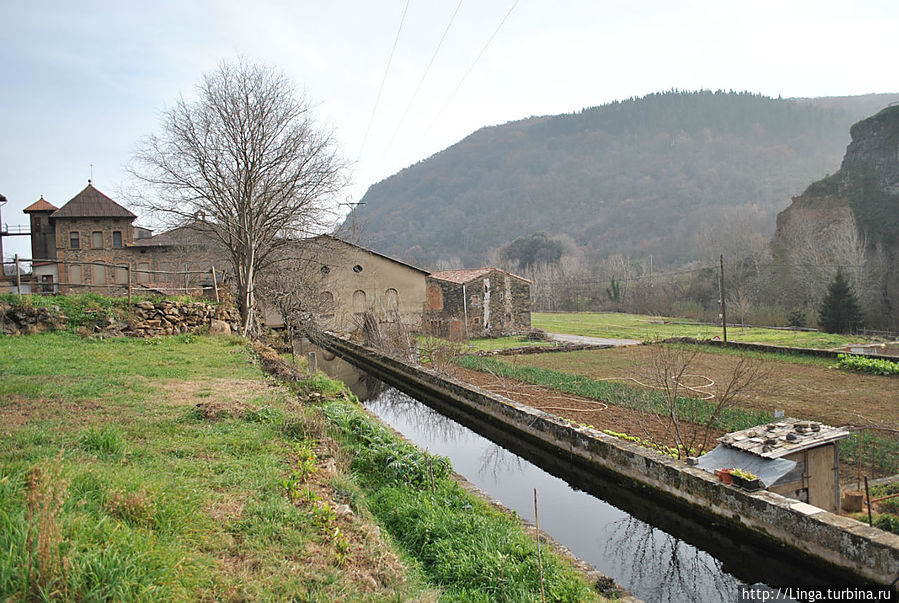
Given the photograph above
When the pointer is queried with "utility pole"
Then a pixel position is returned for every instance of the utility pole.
(353, 207)
(721, 301)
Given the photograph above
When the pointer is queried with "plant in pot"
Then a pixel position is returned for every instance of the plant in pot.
(724, 475)
(746, 479)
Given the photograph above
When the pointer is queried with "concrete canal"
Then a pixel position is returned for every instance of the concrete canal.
(655, 551)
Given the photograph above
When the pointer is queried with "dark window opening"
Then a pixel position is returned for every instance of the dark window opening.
(357, 268)
(74, 240)
(326, 270)
(116, 238)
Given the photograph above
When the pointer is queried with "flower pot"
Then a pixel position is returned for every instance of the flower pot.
(724, 476)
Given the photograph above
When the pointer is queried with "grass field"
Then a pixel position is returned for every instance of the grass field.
(174, 469)
(649, 328)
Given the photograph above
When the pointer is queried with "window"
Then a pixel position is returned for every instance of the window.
(326, 304)
(357, 268)
(98, 274)
(358, 301)
(121, 275)
(117, 238)
(326, 269)
(143, 272)
(74, 240)
(393, 300)
(37, 224)
(96, 240)
(75, 275)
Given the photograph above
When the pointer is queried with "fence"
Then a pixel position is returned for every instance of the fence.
(53, 276)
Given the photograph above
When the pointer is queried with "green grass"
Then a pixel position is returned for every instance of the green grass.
(650, 328)
(118, 482)
(112, 488)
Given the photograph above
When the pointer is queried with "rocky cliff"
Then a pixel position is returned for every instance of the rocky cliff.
(851, 218)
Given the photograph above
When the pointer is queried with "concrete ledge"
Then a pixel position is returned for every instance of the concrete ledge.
(866, 552)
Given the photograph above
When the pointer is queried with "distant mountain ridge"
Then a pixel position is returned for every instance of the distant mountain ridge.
(645, 176)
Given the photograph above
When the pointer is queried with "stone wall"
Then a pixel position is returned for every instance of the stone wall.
(148, 319)
(839, 542)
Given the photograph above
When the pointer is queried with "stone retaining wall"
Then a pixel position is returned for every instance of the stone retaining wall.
(149, 319)
(841, 542)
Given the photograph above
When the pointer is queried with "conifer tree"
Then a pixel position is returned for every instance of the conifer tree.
(840, 312)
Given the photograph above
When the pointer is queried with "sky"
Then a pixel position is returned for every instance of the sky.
(395, 81)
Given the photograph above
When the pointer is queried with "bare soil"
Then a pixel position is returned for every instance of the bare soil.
(804, 391)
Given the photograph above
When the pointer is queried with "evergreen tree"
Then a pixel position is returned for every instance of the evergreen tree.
(840, 312)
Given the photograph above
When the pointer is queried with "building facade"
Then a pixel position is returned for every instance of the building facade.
(478, 302)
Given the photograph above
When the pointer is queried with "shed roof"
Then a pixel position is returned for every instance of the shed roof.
(466, 275)
(783, 437)
(91, 203)
(40, 205)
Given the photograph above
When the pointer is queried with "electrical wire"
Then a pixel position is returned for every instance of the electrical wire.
(384, 79)
(470, 69)
(423, 76)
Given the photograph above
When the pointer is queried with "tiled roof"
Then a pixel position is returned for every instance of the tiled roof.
(91, 203)
(41, 205)
(783, 437)
(461, 276)
(467, 275)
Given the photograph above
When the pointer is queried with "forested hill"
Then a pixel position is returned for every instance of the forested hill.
(663, 175)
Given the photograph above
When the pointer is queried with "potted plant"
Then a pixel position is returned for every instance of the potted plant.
(746, 479)
(724, 475)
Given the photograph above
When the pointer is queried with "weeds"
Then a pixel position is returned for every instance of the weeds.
(48, 565)
(104, 441)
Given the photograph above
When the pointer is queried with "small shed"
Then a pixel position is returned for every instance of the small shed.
(798, 459)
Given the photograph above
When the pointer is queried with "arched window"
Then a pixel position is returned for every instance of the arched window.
(358, 301)
(392, 297)
(326, 304)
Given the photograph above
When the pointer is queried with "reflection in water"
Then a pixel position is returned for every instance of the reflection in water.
(653, 564)
(646, 555)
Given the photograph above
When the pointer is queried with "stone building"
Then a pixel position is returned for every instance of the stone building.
(91, 244)
(478, 302)
(345, 280)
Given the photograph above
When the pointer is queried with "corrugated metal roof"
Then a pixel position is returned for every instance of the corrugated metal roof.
(783, 437)
(41, 205)
(91, 203)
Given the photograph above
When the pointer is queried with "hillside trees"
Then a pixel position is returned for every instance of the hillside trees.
(247, 155)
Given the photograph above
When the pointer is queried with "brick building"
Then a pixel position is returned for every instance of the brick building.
(478, 302)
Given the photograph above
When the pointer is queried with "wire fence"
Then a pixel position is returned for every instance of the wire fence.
(55, 276)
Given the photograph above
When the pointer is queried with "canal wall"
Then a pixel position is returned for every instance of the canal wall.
(847, 545)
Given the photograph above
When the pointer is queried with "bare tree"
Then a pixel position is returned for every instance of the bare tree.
(690, 425)
(246, 155)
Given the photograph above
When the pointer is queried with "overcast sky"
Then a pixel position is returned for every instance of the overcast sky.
(82, 82)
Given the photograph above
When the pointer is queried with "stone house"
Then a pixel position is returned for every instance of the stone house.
(478, 302)
(91, 244)
(344, 280)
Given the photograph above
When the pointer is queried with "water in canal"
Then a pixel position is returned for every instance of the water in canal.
(652, 550)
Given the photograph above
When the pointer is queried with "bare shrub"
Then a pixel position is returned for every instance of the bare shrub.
(691, 404)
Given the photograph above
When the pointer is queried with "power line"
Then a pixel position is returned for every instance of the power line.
(424, 75)
(471, 68)
(384, 79)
